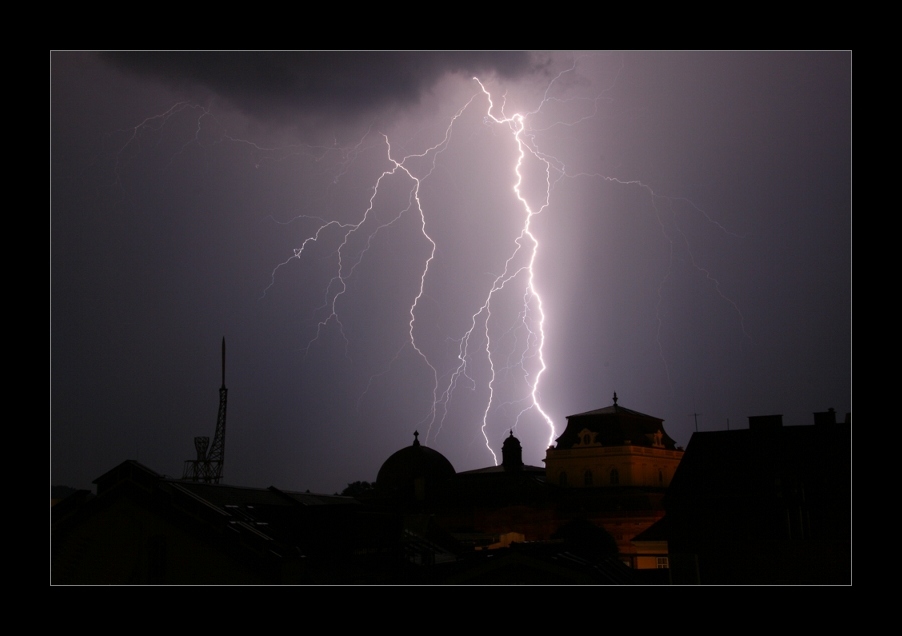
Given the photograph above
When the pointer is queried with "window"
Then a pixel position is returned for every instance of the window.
(587, 478)
(562, 480)
(662, 563)
(615, 477)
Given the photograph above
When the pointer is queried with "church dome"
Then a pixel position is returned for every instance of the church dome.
(413, 473)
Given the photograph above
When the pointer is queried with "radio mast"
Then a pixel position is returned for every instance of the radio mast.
(208, 465)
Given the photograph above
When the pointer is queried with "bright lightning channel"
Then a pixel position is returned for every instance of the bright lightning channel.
(525, 242)
(519, 267)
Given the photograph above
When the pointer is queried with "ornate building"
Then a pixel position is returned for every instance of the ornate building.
(613, 446)
(613, 466)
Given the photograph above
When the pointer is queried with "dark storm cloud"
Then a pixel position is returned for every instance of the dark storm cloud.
(325, 86)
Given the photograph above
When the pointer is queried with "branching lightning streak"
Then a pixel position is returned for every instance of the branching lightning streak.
(341, 277)
(526, 240)
(353, 240)
(525, 243)
(698, 267)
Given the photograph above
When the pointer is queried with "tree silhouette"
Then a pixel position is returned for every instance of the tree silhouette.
(359, 489)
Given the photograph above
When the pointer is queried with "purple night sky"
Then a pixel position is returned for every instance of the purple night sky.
(688, 246)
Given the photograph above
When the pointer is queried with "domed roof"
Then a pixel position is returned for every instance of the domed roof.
(511, 442)
(413, 473)
(512, 453)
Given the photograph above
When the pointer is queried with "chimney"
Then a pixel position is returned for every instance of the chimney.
(826, 418)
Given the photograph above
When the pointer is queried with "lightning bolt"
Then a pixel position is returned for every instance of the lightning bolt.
(516, 354)
(525, 241)
(416, 168)
(526, 356)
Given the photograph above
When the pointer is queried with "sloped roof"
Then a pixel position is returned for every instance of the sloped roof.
(616, 425)
(537, 470)
(613, 410)
(251, 535)
(721, 465)
(224, 495)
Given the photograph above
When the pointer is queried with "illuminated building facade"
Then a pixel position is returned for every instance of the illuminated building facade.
(613, 446)
(615, 464)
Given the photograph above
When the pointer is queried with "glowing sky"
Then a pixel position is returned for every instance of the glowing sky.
(689, 244)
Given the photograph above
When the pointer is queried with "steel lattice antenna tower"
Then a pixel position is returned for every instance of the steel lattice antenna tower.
(208, 465)
(216, 456)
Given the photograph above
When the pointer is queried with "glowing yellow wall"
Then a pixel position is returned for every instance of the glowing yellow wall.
(634, 465)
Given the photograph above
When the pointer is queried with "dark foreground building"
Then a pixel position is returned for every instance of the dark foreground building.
(764, 505)
(767, 505)
(422, 523)
(144, 528)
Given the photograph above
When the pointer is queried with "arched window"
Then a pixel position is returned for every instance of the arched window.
(587, 478)
(615, 477)
(562, 480)
(587, 439)
(661, 477)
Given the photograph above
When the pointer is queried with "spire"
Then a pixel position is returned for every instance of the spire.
(615, 398)
(416, 435)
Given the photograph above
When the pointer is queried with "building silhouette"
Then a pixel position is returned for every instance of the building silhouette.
(770, 504)
(145, 528)
(624, 460)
